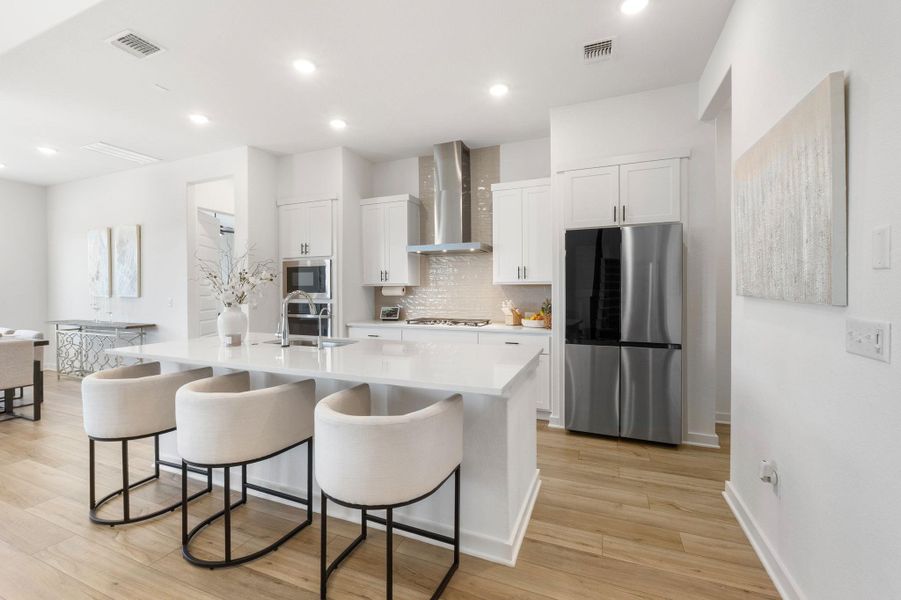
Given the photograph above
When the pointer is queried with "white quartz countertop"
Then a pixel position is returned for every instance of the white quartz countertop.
(490, 328)
(464, 368)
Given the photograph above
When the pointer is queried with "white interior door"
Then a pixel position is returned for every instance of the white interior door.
(207, 242)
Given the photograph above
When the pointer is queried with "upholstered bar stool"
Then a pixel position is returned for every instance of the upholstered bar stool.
(222, 423)
(385, 462)
(18, 370)
(130, 403)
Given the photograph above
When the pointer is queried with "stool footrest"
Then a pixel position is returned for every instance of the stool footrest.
(445, 539)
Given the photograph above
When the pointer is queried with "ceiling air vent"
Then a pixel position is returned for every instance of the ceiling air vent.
(597, 51)
(129, 41)
(117, 152)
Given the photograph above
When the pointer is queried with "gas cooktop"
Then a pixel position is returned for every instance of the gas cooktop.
(452, 322)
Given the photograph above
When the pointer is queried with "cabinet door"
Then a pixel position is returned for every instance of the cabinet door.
(319, 236)
(537, 234)
(590, 197)
(440, 335)
(373, 243)
(397, 260)
(507, 234)
(650, 192)
(293, 224)
(385, 333)
(544, 383)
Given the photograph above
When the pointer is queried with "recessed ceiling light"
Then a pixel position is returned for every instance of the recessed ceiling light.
(304, 66)
(633, 7)
(498, 90)
(199, 119)
(46, 150)
(338, 123)
(2, 166)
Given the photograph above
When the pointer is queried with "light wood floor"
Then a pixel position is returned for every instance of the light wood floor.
(613, 520)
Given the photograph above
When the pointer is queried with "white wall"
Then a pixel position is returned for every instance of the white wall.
(830, 420)
(663, 119)
(310, 175)
(23, 256)
(154, 197)
(262, 233)
(530, 159)
(356, 301)
(217, 195)
(723, 124)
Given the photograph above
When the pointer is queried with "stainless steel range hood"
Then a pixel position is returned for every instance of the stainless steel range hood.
(453, 208)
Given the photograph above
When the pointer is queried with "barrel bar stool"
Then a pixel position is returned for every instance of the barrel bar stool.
(370, 463)
(28, 334)
(222, 423)
(19, 369)
(130, 403)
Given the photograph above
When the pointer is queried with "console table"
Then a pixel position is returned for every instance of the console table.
(81, 345)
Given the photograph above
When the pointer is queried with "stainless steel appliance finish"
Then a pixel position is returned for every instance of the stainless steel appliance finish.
(452, 322)
(592, 389)
(624, 301)
(302, 321)
(310, 275)
(651, 288)
(651, 394)
(453, 203)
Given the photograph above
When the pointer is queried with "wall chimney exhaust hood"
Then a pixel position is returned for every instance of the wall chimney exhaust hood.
(453, 207)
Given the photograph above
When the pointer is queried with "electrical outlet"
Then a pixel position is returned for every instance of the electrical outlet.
(871, 339)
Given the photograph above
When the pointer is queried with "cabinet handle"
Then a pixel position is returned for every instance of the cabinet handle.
(518, 269)
(386, 276)
(524, 276)
(624, 213)
(512, 343)
(371, 335)
(614, 214)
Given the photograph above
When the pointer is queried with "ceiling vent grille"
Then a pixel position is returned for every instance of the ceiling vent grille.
(117, 152)
(598, 50)
(132, 43)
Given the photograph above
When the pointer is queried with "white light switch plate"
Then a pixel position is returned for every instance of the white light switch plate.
(871, 339)
(882, 247)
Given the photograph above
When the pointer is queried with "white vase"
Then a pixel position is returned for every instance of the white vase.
(232, 326)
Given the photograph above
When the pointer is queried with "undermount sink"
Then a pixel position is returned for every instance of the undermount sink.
(312, 343)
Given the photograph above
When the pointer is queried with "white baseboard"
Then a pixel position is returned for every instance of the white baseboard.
(492, 549)
(724, 418)
(782, 579)
(704, 440)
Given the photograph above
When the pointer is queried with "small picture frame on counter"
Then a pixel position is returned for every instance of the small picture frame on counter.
(389, 313)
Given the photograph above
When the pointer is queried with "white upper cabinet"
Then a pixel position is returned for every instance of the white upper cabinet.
(389, 225)
(650, 192)
(625, 194)
(305, 229)
(591, 197)
(522, 233)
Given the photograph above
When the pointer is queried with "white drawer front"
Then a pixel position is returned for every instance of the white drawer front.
(432, 335)
(515, 339)
(385, 333)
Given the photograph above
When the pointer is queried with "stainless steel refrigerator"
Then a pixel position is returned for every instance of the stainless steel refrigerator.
(623, 373)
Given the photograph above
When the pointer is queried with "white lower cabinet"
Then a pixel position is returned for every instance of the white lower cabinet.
(385, 333)
(411, 334)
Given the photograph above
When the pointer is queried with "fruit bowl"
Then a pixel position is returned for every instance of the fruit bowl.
(539, 324)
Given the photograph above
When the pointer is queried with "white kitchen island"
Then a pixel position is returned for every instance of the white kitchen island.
(499, 475)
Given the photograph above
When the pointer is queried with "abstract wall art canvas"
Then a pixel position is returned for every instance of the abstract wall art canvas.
(127, 261)
(99, 262)
(791, 208)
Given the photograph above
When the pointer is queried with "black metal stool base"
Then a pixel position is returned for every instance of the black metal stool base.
(229, 561)
(327, 569)
(127, 487)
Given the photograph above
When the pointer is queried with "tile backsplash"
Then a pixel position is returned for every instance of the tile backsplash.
(461, 285)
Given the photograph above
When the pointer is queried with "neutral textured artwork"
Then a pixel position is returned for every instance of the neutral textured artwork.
(99, 262)
(127, 261)
(791, 208)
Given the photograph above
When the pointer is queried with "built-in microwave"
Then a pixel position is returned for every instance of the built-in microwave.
(313, 276)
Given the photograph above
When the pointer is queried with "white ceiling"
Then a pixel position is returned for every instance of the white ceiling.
(403, 73)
